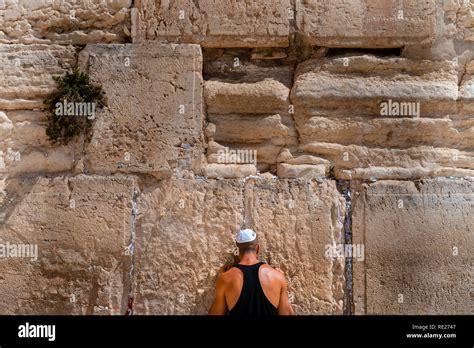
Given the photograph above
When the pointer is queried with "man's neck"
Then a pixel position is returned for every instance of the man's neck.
(248, 259)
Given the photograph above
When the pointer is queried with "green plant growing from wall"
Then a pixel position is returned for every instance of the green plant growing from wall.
(72, 107)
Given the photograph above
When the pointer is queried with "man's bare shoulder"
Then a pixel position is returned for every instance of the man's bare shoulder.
(273, 272)
(230, 275)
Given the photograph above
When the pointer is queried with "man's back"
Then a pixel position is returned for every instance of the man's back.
(252, 290)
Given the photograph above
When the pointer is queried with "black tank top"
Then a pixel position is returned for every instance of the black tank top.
(252, 300)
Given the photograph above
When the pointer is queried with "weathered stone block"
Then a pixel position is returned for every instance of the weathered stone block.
(338, 85)
(225, 23)
(27, 73)
(248, 107)
(153, 121)
(190, 235)
(418, 247)
(361, 162)
(366, 23)
(244, 153)
(25, 148)
(458, 19)
(81, 226)
(299, 220)
(286, 170)
(259, 98)
(64, 22)
(365, 113)
(253, 129)
(259, 91)
(185, 231)
(232, 171)
(466, 95)
(388, 132)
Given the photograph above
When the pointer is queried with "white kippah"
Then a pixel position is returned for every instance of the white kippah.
(245, 236)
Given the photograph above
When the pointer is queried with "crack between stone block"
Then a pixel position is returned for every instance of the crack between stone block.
(131, 252)
(344, 187)
(69, 189)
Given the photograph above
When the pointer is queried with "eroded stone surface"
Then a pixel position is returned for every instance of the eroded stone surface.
(367, 81)
(228, 170)
(64, 22)
(226, 23)
(286, 170)
(25, 147)
(186, 227)
(386, 118)
(81, 226)
(418, 247)
(248, 109)
(253, 129)
(27, 73)
(366, 23)
(153, 121)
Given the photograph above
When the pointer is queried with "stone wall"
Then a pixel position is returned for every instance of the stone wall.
(321, 124)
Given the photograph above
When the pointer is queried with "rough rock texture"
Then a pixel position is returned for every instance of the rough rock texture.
(224, 23)
(25, 148)
(248, 109)
(157, 129)
(426, 136)
(220, 170)
(231, 113)
(27, 73)
(453, 33)
(366, 23)
(369, 80)
(27, 78)
(185, 231)
(81, 227)
(65, 21)
(418, 247)
(458, 20)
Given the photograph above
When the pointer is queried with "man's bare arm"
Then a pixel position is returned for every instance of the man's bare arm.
(284, 306)
(219, 306)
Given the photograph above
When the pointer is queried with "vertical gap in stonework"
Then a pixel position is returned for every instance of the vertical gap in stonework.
(344, 187)
(131, 251)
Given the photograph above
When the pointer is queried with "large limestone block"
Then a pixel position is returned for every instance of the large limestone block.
(224, 23)
(337, 85)
(253, 129)
(185, 231)
(286, 170)
(64, 22)
(362, 162)
(364, 113)
(248, 107)
(458, 15)
(466, 95)
(388, 132)
(27, 73)
(299, 219)
(418, 247)
(247, 88)
(454, 34)
(266, 153)
(81, 226)
(153, 121)
(229, 170)
(260, 97)
(25, 147)
(184, 234)
(366, 23)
